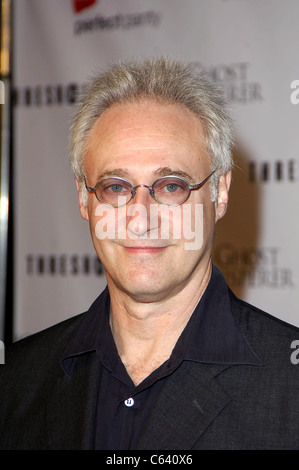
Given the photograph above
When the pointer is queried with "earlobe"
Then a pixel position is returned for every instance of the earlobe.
(222, 198)
(82, 206)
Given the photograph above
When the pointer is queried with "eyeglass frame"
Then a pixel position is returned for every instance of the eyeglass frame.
(150, 188)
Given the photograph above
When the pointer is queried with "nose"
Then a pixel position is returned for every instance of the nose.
(139, 221)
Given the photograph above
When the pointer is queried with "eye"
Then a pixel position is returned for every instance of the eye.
(171, 187)
(116, 188)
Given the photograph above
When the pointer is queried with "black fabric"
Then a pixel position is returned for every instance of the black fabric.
(211, 335)
(238, 395)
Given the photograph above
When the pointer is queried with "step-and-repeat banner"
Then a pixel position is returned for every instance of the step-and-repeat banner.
(250, 47)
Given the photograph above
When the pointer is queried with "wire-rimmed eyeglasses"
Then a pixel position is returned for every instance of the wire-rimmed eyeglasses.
(168, 190)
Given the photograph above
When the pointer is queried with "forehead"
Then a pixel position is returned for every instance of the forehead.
(146, 134)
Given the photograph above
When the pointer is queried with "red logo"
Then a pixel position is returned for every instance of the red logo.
(80, 5)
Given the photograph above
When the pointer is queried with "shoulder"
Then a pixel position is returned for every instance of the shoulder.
(42, 350)
(58, 333)
(248, 313)
(272, 338)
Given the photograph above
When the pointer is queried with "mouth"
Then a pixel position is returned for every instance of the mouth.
(144, 249)
(151, 250)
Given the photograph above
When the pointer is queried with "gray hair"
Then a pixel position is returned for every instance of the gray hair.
(162, 79)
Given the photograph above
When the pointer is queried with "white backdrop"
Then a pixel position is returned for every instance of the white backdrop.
(249, 46)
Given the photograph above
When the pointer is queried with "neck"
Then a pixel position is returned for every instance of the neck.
(140, 329)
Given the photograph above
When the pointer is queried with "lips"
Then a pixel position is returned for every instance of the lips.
(144, 249)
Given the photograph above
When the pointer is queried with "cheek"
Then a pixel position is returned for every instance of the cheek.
(184, 224)
(101, 223)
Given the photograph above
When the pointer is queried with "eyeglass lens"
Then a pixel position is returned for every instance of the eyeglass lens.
(169, 191)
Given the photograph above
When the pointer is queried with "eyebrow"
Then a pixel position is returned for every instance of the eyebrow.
(120, 172)
(160, 172)
(166, 171)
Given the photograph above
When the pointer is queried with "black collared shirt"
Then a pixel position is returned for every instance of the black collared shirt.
(211, 336)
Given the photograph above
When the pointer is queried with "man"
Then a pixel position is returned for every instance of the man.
(167, 357)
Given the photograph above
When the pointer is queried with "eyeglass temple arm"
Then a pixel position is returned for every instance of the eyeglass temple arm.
(197, 186)
(88, 187)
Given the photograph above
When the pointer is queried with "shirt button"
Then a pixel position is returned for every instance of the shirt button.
(129, 402)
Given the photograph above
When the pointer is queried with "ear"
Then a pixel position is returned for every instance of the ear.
(82, 206)
(222, 197)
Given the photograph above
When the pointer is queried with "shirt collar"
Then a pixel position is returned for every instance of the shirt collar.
(211, 336)
(89, 333)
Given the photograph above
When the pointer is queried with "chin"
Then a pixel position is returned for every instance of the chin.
(142, 296)
(145, 290)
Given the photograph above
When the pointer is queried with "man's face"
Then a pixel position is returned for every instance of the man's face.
(142, 142)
